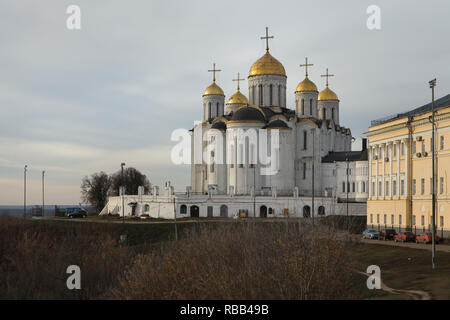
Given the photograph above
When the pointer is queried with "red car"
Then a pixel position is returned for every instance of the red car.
(426, 237)
(405, 236)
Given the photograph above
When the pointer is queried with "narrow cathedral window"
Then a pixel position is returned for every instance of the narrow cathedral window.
(303, 107)
(260, 95)
(311, 107)
(304, 170)
(279, 95)
(209, 110)
(217, 111)
(324, 114)
(271, 95)
(305, 140)
(332, 114)
(343, 186)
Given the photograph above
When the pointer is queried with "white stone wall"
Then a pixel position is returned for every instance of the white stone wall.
(306, 97)
(277, 82)
(163, 206)
(214, 111)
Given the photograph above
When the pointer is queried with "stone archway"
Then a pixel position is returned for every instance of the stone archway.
(306, 212)
(195, 211)
(263, 212)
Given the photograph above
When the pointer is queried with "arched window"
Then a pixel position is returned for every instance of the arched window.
(253, 94)
(146, 208)
(303, 107)
(321, 211)
(332, 114)
(271, 95)
(183, 209)
(324, 113)
(311, 107)
(306, 212)
(209, 110)
(217, 111)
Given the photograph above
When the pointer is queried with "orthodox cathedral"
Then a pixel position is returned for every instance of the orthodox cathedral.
(255, 156)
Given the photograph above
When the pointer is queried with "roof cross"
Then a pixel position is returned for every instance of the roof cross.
(238, 79)
(267, 37)
(327, 76)
(214, 70)
(306, 65)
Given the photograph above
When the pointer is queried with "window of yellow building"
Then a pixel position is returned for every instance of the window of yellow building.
(422, 186)
(414, 186)
(441, 185)
(441, 142)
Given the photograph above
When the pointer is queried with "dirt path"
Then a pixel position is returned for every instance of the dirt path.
(412, 294)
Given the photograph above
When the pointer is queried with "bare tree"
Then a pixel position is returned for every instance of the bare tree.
(94, 189)
(131, 179)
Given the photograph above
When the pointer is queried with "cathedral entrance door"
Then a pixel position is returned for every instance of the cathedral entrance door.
(263, 212)
(195, 211)
(224, 211)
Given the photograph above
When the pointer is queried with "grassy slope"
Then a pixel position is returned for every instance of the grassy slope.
(405, 268)
(401, 268)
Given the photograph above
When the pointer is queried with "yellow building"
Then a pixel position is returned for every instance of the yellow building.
(400, 170)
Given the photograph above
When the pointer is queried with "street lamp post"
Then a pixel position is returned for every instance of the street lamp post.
(122, 192)
(25, 191)
(348, 182)
(313, 158)
(43, 202)
(432, 84)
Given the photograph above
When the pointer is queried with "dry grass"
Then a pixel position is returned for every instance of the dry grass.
(34, 258)
(242, 261)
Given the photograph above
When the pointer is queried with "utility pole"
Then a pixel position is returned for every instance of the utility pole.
(25, 191)
(433, 156)
(254, 190)
(175, 218)
(123, 192)
(313, 158)
(43, 202)
(347, 187)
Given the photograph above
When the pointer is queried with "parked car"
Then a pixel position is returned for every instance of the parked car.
(406, 236)
(370, 234)
(426, 237)
(387, 234)
(76, 213)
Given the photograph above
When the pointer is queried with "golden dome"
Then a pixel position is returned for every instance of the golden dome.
(238, 98)
(306, 85)
(267, 65)
(213, 89)
(327, 94)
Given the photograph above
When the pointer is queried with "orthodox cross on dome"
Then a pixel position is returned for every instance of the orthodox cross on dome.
(214, 70)
(306, 65)
(327, 76)
(238, 79)
(267, 37)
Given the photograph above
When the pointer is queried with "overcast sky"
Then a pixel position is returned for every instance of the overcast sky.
(74, 102)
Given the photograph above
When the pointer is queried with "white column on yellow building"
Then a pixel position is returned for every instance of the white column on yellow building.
(407, 154)
(390, 147)
(369, 187)
(383, 179)
(398, 146)
(377, 148)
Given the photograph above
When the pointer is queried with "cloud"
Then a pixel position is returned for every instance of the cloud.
(77, 102)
